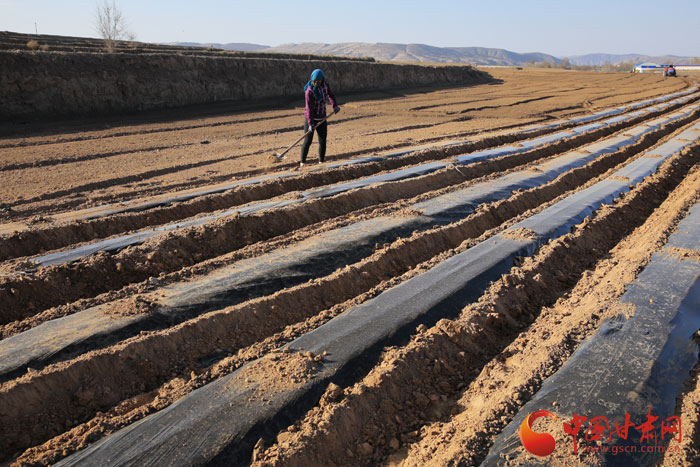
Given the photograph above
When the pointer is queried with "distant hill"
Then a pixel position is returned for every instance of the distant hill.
(601, 59)
(428, 53)
(239, 46)
(398, 52)
(417, 53)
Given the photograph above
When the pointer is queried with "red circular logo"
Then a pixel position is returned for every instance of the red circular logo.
(539, 444)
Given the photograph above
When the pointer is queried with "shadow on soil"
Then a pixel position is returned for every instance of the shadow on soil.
(63, 125)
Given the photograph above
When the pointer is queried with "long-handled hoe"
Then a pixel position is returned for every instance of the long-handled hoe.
(280, 156)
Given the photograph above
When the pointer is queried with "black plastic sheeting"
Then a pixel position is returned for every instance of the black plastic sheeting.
(163, 200)
(630, 365)
(121, 242)
(272, 271)
(203, 423)
(611, 112)
(293, 265)
(224, 287)
(169, 199)
(199, 426)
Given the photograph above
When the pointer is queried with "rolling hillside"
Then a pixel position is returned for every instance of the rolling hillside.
(397, 52)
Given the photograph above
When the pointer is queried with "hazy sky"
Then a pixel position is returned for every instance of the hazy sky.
(556, 27)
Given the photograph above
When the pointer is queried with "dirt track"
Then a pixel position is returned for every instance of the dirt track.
(169, 314)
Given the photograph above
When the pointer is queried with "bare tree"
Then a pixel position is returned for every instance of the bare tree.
(110, 24)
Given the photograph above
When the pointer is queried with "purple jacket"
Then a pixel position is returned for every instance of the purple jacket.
(315, 109)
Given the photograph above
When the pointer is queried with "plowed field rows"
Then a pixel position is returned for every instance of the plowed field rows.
(170, 295)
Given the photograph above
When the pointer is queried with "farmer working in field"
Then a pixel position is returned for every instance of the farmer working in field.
(316, 92)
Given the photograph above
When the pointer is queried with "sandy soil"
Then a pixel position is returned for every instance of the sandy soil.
(54, 165)
(438, 394)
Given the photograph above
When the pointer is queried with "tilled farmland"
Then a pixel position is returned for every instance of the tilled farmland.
(170, 294)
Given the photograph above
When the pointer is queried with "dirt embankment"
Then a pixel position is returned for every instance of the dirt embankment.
(44, 42)
(43, 84)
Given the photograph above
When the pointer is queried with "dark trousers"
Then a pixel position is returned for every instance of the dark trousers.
(322, 131)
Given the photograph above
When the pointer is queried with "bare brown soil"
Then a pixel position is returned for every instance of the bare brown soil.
(439, 396)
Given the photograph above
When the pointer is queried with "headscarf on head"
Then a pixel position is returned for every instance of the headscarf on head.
(316, 75)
